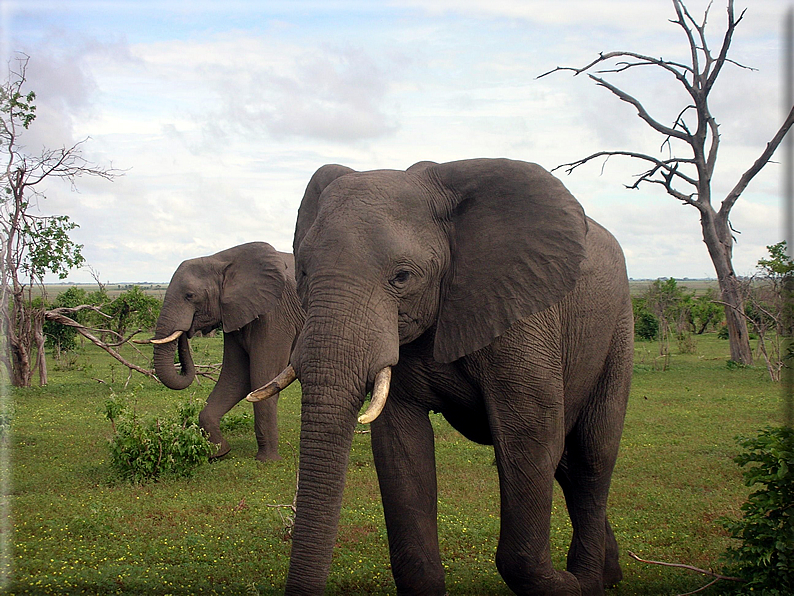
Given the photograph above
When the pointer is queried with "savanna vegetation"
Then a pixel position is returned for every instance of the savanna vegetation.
(78, 527)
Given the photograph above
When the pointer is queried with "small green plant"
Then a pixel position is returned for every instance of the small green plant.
(145, 448)
(237, 421)
(765, 555)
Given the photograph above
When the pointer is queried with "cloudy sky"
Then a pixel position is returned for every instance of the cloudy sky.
(219, 113)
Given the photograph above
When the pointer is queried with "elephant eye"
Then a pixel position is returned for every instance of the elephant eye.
(189, 296)
(400, 279)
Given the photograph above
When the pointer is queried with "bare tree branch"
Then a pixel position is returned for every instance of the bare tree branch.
(84, 331)
(669, 168)
(689, 567)
(641, 111)
(759, 163)
(643, 61)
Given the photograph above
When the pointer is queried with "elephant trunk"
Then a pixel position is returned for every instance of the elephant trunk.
(326, 439)
(164, 363)
(336, 369)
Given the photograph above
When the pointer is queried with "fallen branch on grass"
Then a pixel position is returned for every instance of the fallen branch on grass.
(717, 576)
(57, 317)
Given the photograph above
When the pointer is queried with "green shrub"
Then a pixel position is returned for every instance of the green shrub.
(646, 326)
(765, 555)
(145, 448)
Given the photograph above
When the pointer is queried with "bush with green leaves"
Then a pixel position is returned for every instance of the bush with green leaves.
(646, 325)
(144, 447)
(765, 556)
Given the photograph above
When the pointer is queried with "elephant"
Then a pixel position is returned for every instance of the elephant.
(477, 289)
(249, 290)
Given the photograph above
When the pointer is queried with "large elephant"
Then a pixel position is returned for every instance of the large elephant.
(493, 300)
(249, 290)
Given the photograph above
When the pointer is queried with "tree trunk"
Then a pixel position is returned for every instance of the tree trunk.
(19, 341)
(719, 241)
(38, 336)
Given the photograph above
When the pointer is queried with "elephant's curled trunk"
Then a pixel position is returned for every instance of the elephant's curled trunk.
(164, 363)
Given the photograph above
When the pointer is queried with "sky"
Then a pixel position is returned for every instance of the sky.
(218, 113)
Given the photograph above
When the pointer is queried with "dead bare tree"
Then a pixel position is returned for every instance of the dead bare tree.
(688, 178)
(32, 244)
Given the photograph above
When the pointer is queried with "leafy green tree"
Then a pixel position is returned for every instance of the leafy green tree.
(133, 309)
(663, 299)
(60, 337)
(32, 244)
(769, 307)
(706, 312)
(646, 325)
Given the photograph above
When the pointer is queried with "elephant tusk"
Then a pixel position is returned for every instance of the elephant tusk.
(167, 340)
(281, 382)
(380, 391)
(142, 341)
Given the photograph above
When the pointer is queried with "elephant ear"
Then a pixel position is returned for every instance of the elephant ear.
(253, 281)
(310, 202)
(517, 241)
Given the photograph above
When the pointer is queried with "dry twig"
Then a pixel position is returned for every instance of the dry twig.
(717, 577)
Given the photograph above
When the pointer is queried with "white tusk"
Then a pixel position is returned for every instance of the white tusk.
(142, 341)
(380, 391)
(169, 339)
(281, 382)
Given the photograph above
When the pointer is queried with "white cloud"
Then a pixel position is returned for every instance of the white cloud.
(221, 113)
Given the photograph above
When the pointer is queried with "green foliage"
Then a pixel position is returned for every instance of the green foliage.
(705, 312)
(646, 325)
(146, 448)
(62, 337)
(50, 248)
(778, 264)
(765, 557)
(233, 422)
(133, 309)
(19, 107)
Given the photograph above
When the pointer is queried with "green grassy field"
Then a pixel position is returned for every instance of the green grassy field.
(76, 530)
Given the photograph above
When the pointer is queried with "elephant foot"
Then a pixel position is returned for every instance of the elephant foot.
(223, 450)
(561, 583)
(267, 455)
(613, 574)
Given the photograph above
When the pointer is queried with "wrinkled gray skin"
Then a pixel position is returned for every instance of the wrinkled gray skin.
(500, 305)
(249, 290)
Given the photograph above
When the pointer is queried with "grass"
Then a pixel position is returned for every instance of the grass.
(77, 530)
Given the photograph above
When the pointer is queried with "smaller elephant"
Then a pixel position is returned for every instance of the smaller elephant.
(249, 290)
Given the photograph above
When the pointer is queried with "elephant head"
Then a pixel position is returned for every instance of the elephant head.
(446, 255)
(229, 289)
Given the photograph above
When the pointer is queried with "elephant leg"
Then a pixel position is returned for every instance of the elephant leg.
(613, 574)
(524, 401)
(232, 386)
(269, 340)
(404, 453)
(585, 473)
(586, 502)
(266, 428)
